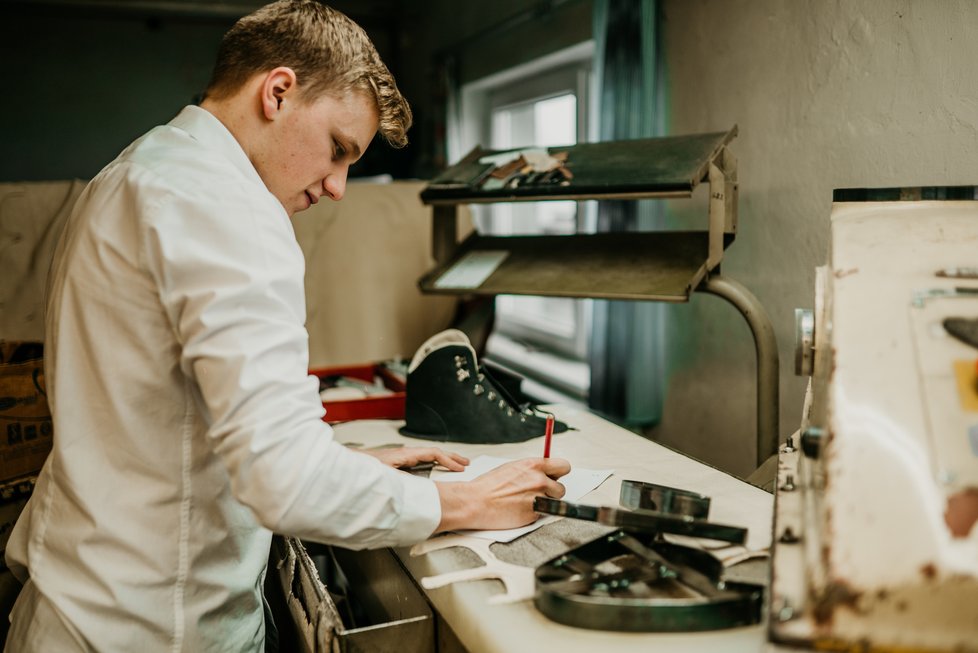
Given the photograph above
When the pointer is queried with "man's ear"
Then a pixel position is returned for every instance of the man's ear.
(278, 85)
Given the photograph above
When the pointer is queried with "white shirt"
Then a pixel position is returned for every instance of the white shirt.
(186, 425)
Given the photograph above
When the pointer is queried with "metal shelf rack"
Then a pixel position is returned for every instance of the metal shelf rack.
(649, 266)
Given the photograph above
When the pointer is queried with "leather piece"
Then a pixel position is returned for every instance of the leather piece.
(964, 329)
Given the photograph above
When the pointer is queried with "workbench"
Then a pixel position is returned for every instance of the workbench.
(595, 444)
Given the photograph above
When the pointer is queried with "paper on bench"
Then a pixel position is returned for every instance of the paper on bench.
(578, 483)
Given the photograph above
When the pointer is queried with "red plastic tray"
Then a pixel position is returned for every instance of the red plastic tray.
(384, 407)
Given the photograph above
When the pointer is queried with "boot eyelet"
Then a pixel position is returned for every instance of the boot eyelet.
(462, 375)
(523, 419)
(478, 389)
(509, 412)
(502, 404)
(491, 396)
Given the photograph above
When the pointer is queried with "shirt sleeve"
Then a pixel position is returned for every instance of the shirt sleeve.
(230, 277)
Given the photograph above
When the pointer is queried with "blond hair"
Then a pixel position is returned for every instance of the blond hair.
(329, 53)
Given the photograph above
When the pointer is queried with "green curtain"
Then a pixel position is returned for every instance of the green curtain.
(626, 355)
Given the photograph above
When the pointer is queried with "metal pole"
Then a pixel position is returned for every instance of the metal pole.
(766, 346)
(444, 233)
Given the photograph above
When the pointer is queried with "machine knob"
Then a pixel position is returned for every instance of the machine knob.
(811, 441)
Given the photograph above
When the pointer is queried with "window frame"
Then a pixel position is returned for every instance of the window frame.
(568, 70)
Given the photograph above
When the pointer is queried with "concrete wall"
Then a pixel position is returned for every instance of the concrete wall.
(87, 81)
(83, 86)
(827, 94)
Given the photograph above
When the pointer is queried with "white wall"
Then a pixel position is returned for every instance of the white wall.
(827, 94)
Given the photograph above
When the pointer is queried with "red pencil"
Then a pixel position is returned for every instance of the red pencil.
(549, 434)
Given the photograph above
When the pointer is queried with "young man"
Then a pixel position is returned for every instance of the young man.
(187, 427)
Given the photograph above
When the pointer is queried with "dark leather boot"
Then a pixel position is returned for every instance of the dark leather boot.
(451, 398)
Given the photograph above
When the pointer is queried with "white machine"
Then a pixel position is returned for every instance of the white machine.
(875, 536)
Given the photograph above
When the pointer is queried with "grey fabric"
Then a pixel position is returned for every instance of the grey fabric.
(626, 352)
(548, 541)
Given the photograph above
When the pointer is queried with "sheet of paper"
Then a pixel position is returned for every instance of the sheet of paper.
(578, 483)
(472, 270)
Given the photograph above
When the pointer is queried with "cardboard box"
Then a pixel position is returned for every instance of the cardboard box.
(388, 406)
(10, 510)
(392, 616)
(26, 431)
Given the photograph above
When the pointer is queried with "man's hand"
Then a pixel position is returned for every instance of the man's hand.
(411, 456)
(503, 497)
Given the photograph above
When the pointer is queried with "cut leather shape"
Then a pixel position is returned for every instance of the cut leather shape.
(517, 580)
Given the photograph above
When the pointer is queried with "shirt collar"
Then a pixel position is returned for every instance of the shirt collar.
(204, 126)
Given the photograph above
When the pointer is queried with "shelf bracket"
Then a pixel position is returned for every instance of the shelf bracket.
(768, 365)
(723, 204)
(444, 233)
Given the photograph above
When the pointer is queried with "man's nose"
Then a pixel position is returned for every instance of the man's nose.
(334, 184)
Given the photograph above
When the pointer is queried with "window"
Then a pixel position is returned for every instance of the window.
(543, 104)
